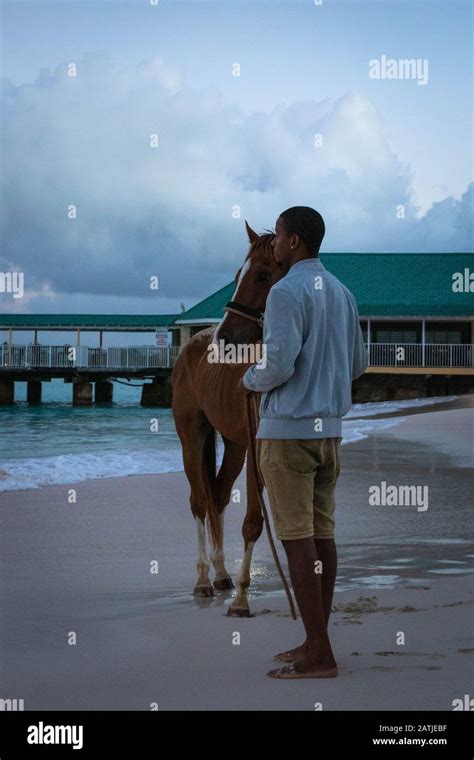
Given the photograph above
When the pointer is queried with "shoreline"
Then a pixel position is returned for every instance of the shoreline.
(465, 401)
(84, 567)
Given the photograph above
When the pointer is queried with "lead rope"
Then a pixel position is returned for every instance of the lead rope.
(252, 425)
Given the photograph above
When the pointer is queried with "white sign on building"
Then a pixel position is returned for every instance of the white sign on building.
(161, 336)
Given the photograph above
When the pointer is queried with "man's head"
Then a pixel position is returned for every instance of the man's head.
(299, 232)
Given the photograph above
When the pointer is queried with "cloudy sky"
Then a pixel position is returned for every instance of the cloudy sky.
(386, 161)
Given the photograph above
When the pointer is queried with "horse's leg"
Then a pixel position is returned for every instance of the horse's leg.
(251, 531)
(231, 467)
(193, 433)
(203, 585)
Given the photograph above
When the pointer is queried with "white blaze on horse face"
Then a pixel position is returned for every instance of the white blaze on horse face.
(243, 272)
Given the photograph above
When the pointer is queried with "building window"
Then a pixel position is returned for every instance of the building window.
(455, 333)
(396, 332)
(448, 332)
(197, 328)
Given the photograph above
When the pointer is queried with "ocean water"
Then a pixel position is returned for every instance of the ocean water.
(58, 443)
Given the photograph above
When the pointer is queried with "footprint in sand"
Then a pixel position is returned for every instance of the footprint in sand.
(413, 667)
(349, 621)
(409, 654)
(419, 588)
(361, 605)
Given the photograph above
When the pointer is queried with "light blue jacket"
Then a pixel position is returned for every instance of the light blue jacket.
(314, 349)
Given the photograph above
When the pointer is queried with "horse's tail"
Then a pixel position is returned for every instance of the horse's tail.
(211, 478)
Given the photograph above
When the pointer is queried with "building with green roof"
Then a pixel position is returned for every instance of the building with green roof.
(407, 298)
(416, 312)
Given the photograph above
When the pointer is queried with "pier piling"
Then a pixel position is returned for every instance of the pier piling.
(157, 393)
(104, 392)
(82, 394)
(7, 392)
(33, 392)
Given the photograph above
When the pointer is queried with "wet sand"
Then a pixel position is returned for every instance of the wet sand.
(84, 568)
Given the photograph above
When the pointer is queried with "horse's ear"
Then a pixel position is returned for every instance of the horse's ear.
(252, 235)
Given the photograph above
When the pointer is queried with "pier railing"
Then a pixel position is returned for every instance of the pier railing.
(441, 355)
(83, 357)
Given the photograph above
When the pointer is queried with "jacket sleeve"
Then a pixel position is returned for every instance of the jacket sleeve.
(282, 340)
(360, 360)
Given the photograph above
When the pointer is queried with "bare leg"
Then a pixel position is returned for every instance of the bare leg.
(317, 661)
(327, 553)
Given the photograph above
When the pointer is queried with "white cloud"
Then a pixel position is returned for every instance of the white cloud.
(447, 225)
(167, 211)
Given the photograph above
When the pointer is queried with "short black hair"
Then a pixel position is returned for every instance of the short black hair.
(307, 223)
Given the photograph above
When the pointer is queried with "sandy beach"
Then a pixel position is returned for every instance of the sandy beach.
(83, 568)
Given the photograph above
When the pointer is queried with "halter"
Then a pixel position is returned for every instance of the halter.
(245, 311)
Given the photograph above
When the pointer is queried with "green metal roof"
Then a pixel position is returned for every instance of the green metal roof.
(212, 307)
(384, 285)
(404, 284)
(116, 322)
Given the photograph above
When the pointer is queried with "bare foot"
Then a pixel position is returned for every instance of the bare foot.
(292, 654)
(306, 667)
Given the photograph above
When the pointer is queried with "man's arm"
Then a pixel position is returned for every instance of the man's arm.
(283, 338)
(360, 360)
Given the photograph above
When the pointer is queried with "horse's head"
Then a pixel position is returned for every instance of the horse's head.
(254, 279)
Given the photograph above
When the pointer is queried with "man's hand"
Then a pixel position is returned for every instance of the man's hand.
(242, 387)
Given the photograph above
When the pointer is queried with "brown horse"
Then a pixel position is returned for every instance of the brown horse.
(206, 399)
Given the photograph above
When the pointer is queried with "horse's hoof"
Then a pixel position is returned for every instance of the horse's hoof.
(242, 612)
(222, 584)
(203, 591)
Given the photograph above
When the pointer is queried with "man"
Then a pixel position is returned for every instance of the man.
(314, 349)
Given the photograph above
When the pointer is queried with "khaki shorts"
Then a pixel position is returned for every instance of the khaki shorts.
(300, 478)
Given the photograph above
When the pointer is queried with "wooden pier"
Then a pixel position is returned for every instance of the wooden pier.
(91, 371)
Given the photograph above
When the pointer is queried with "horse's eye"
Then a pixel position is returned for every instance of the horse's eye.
(263, 276)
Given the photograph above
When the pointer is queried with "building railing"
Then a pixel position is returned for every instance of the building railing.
(441, 355)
